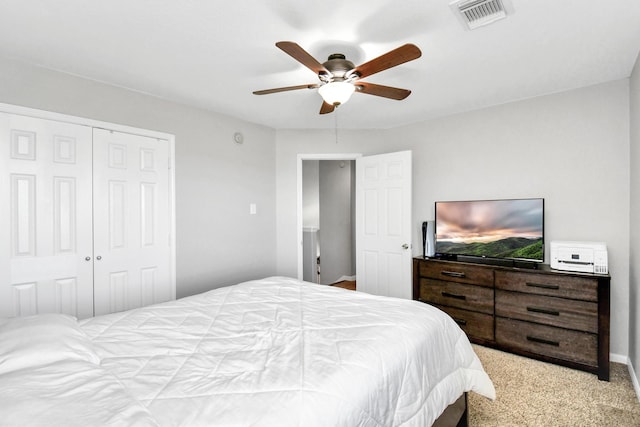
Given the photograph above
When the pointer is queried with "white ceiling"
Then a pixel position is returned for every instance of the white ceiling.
(213, 54)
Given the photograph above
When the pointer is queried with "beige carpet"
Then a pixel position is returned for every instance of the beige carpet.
(533, 393)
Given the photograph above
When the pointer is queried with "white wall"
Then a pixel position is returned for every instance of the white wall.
(311, 193)
(571, 148)
(634, 270)
(218, 242)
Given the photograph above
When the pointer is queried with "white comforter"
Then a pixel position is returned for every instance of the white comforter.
(69, 394)
(50, 376)
(280, 352)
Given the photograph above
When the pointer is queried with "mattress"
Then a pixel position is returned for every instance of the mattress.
(281, 352)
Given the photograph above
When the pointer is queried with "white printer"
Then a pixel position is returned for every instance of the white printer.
(585, 257)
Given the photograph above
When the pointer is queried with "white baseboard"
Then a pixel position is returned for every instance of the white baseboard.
(618, 358)
(349, 278)
(634, 379)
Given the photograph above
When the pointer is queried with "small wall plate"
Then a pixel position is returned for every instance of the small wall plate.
(238, 138)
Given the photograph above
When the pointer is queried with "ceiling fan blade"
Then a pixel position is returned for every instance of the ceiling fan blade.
(327, 108)
(284, 89)
(302, 56)
(405, 53)
(384, 91)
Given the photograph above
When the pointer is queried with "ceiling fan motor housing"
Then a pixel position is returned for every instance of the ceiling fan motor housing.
(339, 67)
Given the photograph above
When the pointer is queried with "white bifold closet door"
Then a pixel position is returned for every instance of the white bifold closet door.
(45, 215)
(131, 217)
(84, 219)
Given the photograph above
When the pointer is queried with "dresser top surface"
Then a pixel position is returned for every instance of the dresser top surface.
(536, 267)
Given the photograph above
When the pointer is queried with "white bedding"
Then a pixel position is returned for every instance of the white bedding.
(70, 394)
(51, 376)
(280, 352)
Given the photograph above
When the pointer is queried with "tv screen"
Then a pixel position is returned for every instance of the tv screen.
(491, 228)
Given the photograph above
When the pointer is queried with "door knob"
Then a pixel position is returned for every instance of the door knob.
(88, 258)
(405, 246)
(98, 257)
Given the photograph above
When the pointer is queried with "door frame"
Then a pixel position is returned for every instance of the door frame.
(301, 157)
(49, 115)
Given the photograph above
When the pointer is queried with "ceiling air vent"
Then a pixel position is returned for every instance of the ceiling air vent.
(477, 13)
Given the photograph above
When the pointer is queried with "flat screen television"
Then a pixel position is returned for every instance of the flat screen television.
(510, 229)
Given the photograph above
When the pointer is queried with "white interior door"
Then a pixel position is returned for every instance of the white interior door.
(45, 217)
(383, 224)
(132, 215)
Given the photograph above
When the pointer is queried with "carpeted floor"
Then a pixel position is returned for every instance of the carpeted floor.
(534, 393)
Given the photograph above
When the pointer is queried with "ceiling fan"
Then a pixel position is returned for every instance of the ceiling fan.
(339, 78)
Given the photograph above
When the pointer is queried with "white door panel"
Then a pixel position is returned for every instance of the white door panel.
(45, 216)
(132, 246)
(383, 224)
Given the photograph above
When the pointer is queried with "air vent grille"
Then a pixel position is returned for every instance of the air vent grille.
(476, 13)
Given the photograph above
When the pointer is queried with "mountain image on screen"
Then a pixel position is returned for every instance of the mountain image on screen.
(491, 228)
(511, 247)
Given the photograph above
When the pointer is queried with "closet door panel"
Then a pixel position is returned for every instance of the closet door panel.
(132, 216)
(45, 217)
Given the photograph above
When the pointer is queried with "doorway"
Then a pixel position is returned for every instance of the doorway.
(328, 221)
(326, 217)
(382, 224)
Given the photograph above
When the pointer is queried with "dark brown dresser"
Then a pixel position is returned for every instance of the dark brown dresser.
(554, 316)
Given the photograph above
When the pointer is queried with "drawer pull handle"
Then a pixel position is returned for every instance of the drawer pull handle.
(543, 286)
(543, 311)
(449, 295)
(543, 341)
(460, 322)
(452, 273)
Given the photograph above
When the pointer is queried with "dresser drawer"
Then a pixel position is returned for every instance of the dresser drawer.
(457, 272)
(475, 325)
(451, 294)
(579, 347)
(560, 312)
(555, 285)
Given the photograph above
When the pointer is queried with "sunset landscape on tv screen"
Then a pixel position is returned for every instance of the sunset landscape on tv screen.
(491, 228)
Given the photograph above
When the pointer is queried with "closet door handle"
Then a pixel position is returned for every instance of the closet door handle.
(87, 258)
(98, 257)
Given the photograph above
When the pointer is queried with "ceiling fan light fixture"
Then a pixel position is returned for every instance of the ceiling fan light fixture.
(339, 78)
(336, 93)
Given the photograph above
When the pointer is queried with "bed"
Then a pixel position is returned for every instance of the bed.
(270, 352)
